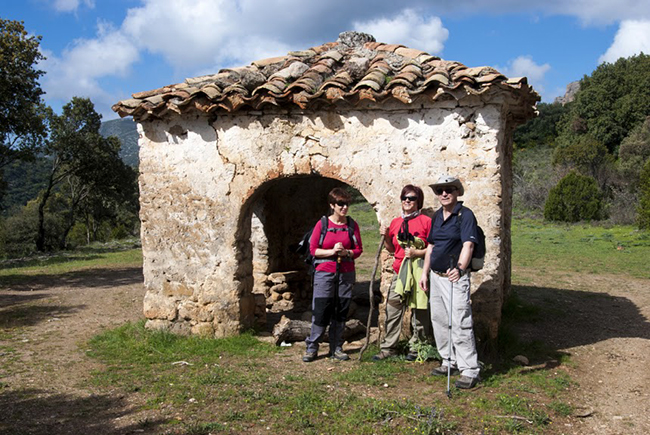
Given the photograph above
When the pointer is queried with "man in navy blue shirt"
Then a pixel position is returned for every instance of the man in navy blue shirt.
(446, 274)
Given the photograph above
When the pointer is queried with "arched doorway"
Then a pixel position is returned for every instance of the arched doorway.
(272, 222)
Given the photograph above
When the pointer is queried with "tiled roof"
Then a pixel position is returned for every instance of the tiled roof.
(345, 72)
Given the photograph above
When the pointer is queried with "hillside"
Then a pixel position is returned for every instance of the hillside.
(25, 179)
(125, 131)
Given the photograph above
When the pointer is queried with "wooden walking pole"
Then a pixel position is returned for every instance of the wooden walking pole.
(372, 297)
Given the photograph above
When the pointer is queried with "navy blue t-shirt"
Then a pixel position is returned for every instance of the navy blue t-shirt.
(448, 236)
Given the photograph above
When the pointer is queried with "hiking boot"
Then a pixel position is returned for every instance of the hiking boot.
(309, 356)
(382, 355)
(340, 355)
(411, 356)
(466, 383)
(442, 371)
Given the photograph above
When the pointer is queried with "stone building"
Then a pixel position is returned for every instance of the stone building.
(235, 166)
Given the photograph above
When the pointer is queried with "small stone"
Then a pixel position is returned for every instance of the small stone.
(521, 360)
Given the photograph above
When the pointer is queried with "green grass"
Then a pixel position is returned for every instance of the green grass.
(240, 384)
(366, 218)
(583, 247)
(125, 255)
(237, 386)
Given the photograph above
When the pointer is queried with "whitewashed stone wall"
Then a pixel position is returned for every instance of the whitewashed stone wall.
(202, 179)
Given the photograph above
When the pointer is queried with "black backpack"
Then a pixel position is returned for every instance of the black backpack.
(478, 255)
(302, 248)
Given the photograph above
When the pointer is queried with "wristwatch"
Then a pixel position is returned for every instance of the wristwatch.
(461, 272)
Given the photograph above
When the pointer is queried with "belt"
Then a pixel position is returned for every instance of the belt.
(439, 273)
(325, 260)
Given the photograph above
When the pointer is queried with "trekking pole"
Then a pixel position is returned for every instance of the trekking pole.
(372, 297)
(338, 328)
(451, 302)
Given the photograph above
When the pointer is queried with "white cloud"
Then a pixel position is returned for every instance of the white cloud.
(408, 28)
(525, 66)
(192, 34)
(590, 12)
(601, 11)
(71, 5)
(633, 37)
(78, 70)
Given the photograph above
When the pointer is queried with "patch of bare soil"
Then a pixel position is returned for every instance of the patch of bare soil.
(601, 321)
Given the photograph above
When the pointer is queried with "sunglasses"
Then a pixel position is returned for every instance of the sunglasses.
(449, 189)
(342, 203)
(409, 198)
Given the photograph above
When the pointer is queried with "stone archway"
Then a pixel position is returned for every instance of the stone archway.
(272, 221)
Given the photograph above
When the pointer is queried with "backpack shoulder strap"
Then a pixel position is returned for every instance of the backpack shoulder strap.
(324, 224)
(353, 237)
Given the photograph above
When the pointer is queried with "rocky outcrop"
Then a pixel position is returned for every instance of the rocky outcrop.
(571, 90)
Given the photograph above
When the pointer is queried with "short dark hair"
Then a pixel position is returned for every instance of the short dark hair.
(338, 194)
(418, 192)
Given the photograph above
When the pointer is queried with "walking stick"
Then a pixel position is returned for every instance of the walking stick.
(372, 297)
(451, 302)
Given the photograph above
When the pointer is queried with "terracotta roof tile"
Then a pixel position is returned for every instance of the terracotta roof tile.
(354, 68)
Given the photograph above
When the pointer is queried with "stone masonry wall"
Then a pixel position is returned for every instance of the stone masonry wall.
(201, 179)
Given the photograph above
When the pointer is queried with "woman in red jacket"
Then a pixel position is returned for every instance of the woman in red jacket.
(334, 275)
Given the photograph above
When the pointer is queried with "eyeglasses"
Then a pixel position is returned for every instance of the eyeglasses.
(409, 198)
(342, 203)
(448, 189)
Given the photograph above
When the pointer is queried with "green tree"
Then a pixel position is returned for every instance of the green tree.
(610, 103)
(589, 157)
(541, 130)
(643, 211)
(83, 164)
(22, 113)
(635, 152)
(575, 198)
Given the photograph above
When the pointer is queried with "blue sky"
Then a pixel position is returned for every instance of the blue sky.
(108, 49)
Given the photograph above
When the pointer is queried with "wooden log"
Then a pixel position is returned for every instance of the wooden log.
(287, 330)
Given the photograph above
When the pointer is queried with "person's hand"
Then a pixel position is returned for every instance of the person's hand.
(383, 231)
(424, 285)
(339, 249)
(453, 274)
(408, 252)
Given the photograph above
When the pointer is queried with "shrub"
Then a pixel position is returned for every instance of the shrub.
(634, 152)
(643, 212)
(533, 178)
(576, 197)
(589, 157)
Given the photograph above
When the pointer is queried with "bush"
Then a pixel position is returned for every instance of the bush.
(575, 198)
(635, 152)
(643, 212)
(533, 178)
(589, 157)
(21, 228)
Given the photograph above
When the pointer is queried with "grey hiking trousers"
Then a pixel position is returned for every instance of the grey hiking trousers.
(463, 349)
(330, 309)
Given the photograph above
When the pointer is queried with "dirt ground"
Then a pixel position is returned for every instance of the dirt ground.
(601, 321)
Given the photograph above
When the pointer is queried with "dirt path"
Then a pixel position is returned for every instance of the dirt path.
(601, 321)
(44, 371)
